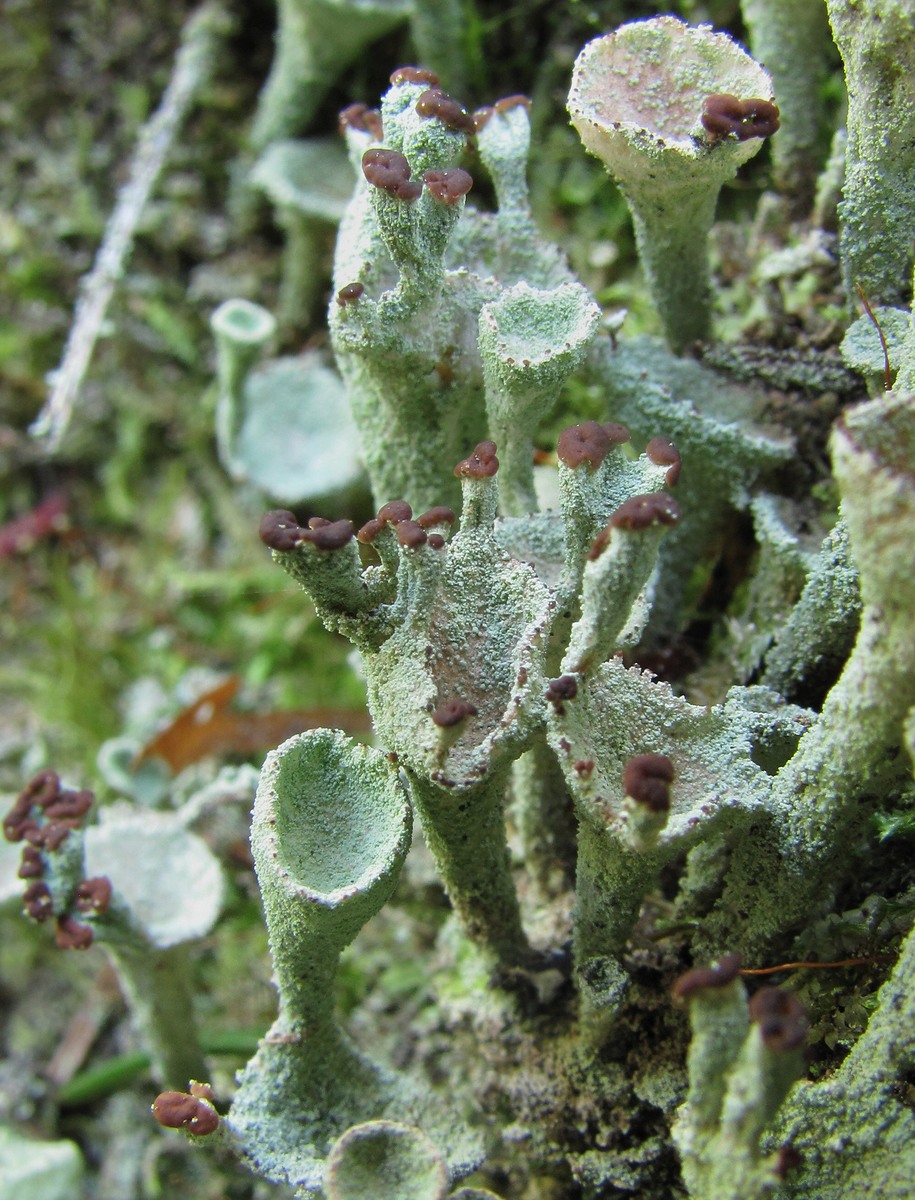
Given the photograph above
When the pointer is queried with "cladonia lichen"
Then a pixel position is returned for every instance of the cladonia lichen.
(644, 671)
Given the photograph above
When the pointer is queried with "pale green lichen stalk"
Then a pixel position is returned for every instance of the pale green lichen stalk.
(283, 426)
(316, 41)
(876, 39)
(854, 1133)
(331, 829)
(464, 633)
(427, 269)
(506, 651)
(139, 883)
(790, 38)
(743, 1061)
(851, 748)
(637, 102)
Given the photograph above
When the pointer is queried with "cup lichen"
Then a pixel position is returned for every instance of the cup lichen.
(637, 101)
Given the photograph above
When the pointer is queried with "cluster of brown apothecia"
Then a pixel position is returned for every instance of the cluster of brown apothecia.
(43, 817)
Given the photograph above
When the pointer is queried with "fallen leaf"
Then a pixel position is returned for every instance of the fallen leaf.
(211, 727)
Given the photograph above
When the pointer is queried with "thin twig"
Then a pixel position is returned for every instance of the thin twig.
(809, 966)
(193, 64)
(887, 374)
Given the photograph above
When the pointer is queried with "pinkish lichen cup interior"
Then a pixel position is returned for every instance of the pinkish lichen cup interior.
(653, 75)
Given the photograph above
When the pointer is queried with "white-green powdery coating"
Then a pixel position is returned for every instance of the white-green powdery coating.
(385, 1159)
(876, 39)
(636, 101)
(718, 785)
(33, 1170)
(717, 426)
(817, 814)
(769, 802)
(471, 623)
(316, 42)
(531, 340)
(407, 349)
(284, 426)
(820, 632)
(855, 1134)
(736, 1085)
(331, 829)
(791, 39)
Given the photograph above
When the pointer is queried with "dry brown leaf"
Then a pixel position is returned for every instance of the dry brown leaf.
(211, 727)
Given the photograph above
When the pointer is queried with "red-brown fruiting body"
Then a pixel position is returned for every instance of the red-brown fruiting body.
(16, 822)
(93, 895)
(411, 534)
(481, 464)
(32, 865)
(72, 934)
(414, 75)
(558, 690)
(174, 1110)
(61, 810)
(647, 779)
(181, 1110)
(351, 116)
(723, 114)
(718, 975)
(333, 536)
(451, 113)
(37, 902)
(390, 171)
(452, 712)
(370, 530)
(436, 541)
(38, 792)
(641, 512)
(449, 185)
(281, 531)
(482, 116)
(395, 511)
(663, 453)
(350, 294)
(509, 102)
(781, 1017)
(360, 116)
(589, 443)
(53, 835)
(69, 806)
(385, 168)
(439, 515)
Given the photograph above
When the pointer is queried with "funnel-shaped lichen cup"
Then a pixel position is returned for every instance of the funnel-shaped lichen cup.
(386, 1160)
(286, 425)
(331, 829)
(531, 340)
(636, 100)
(242, 330)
